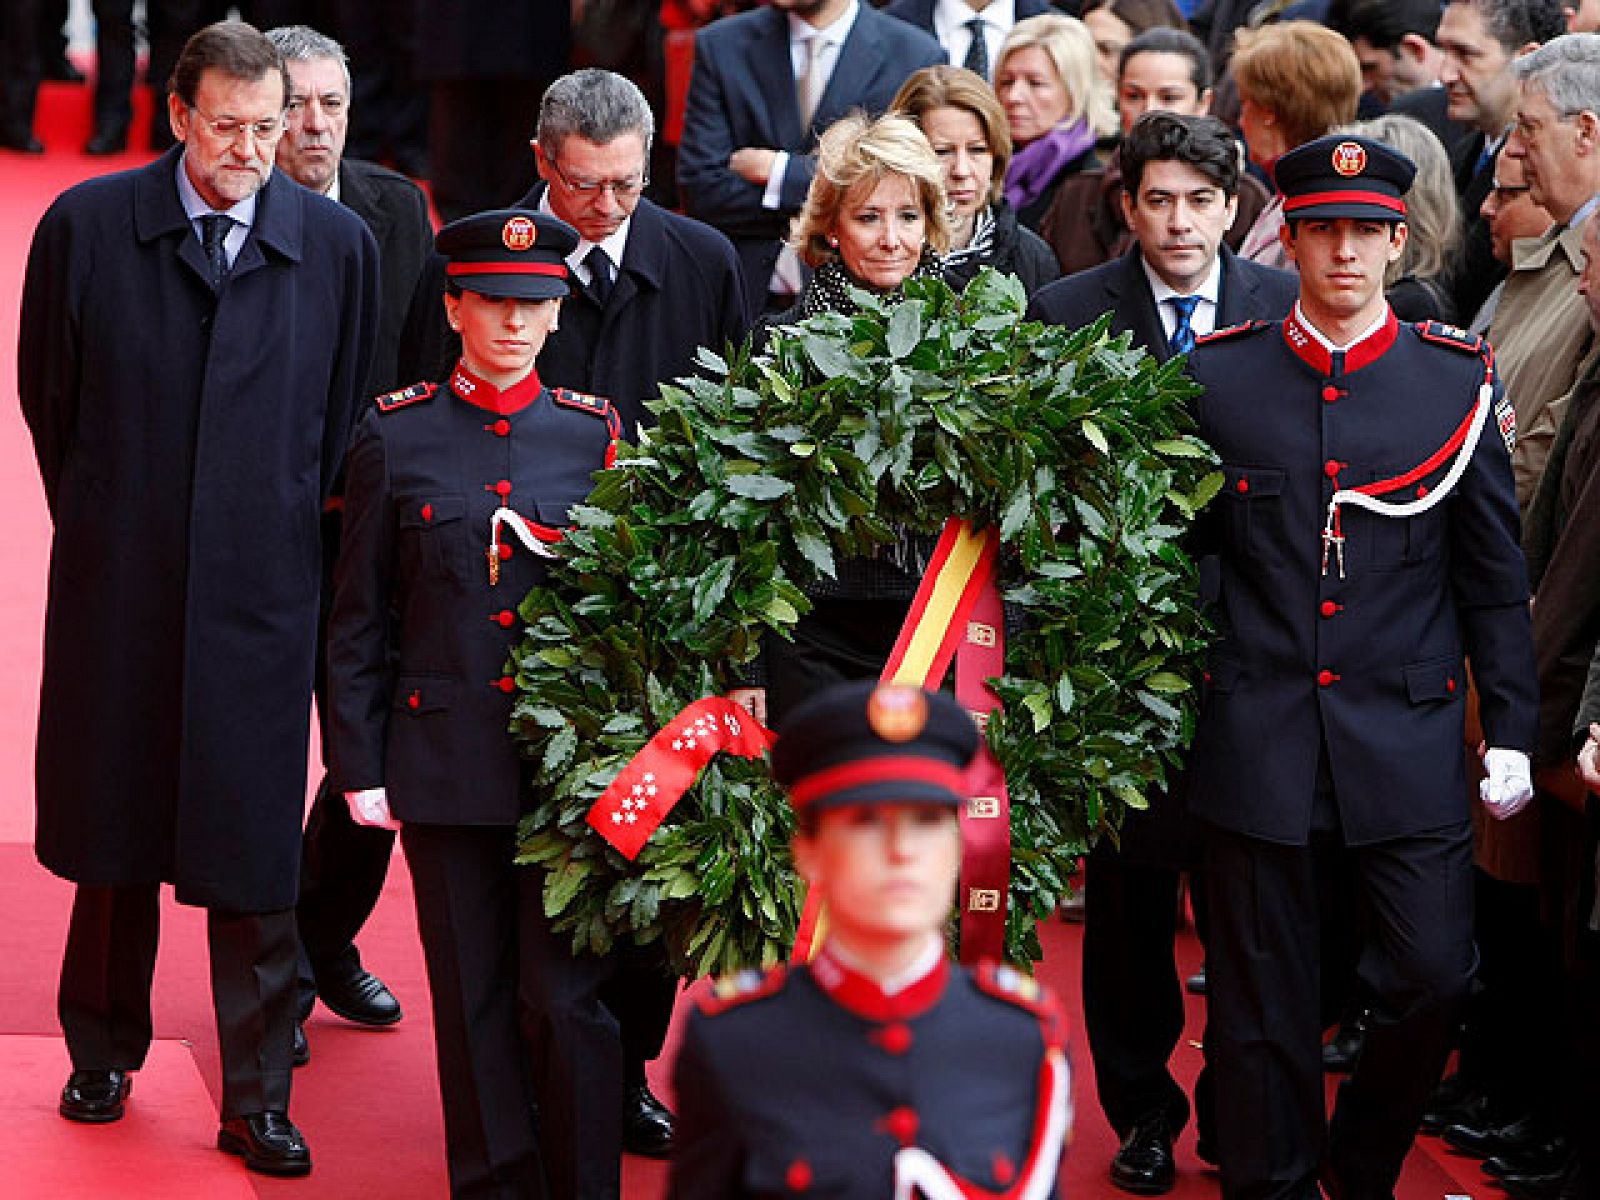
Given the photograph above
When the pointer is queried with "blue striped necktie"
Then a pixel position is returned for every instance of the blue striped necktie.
(1182, 339)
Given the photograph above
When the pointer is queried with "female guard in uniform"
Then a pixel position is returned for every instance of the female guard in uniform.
(878, 1066)
(450, 488)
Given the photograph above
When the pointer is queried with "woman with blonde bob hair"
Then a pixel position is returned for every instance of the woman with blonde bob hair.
(966, 127)
(1048, 80)
(875, 214)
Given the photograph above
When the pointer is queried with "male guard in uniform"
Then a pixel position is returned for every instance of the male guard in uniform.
(1369, 545)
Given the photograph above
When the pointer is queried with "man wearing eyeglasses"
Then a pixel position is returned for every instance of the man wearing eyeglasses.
(193, 341)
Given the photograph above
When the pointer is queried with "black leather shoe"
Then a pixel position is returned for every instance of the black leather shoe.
(1497, 1134)
(1550, 1184)
(1532, 1160)
(20, 138)
(1454, 1102)
(95, 1097)
(1144, 1164)
(358, 995)
(1195, 985)
(1340, 1052)
(300, 1055)
(646, 1123)
(106, 140)
(268, 1142)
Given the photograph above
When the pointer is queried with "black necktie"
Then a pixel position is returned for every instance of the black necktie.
(1182, 339)
(214, 234)
(977, 60)
(601, 275)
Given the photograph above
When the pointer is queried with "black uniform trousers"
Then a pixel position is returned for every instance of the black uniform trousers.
(478, 142)
(169, 24)
(1267, 908)
(1132, 996)
(104, 1000)
(519, 1023)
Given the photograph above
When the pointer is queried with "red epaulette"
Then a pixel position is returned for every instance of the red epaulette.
(1456, 338)
(741, 988)
(1006, 983)
(1230, 331)
(405, 397)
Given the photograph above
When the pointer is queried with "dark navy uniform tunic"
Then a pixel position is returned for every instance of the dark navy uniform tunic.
(808, 1080)
(419, 638)
(1370, 663)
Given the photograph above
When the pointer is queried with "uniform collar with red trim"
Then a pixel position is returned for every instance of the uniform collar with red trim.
(859, 993)
(481, 393)
(1311, 347)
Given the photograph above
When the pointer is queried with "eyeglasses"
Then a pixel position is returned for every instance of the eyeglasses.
(225, 129)
(622, 189)
(1511, 192)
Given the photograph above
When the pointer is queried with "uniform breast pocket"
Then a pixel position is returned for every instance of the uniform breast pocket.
(1252, 505)
(1395, 542)
(434, 538)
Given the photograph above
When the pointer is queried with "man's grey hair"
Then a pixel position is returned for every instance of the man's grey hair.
(301, 43)
(1566, 70)
(599, 106)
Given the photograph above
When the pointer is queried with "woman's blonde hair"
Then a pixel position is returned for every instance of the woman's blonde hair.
(1433, 216)
(1070, 46)
(1303, 73)
(857, 154)
(957, 87)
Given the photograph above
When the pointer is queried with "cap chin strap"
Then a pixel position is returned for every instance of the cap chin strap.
(1366, 497)
(919, 1174)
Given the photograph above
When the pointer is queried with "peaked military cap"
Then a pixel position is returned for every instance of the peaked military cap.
(509, 253)
(870, 743)
(1344, 176)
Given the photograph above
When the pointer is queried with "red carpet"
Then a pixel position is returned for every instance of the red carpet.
(368, 1102)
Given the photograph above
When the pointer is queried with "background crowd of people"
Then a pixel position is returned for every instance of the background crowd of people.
(697, 175)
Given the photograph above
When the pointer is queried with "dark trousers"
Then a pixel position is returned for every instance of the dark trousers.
(19, 64)
(104, 1001)
(169, 24)
(1132, 994)
(519, 1022)
(1267, 910)
(342, 869)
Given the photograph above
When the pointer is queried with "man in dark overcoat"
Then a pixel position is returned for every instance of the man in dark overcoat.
(194, 337)
(343, 865)
(1177, 281)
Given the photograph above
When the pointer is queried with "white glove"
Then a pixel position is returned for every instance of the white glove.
(1509, 787)
(371, 808)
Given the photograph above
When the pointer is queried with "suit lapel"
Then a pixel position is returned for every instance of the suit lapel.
(1137, 303)
(772, 70)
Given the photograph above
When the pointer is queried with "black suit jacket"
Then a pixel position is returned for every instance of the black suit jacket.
(1164, 834)
(396, 211)
(742, 93)
(1476, 269)
(1431, 106)
(1250, 292)
(920, 12)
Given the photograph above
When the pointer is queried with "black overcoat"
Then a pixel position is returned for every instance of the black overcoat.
(186, 441)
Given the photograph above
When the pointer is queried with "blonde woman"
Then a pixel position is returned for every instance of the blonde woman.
(1057, 107)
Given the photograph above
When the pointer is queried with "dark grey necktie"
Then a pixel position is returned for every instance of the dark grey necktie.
(214, 235)
(1182, 339)
(601, 274)
(977, 60)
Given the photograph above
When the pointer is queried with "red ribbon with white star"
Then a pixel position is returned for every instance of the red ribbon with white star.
(656, 778)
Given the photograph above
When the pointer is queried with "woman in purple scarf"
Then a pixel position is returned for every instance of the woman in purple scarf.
(1056, 104)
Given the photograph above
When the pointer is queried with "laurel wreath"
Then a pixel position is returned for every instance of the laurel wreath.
(759, 477)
